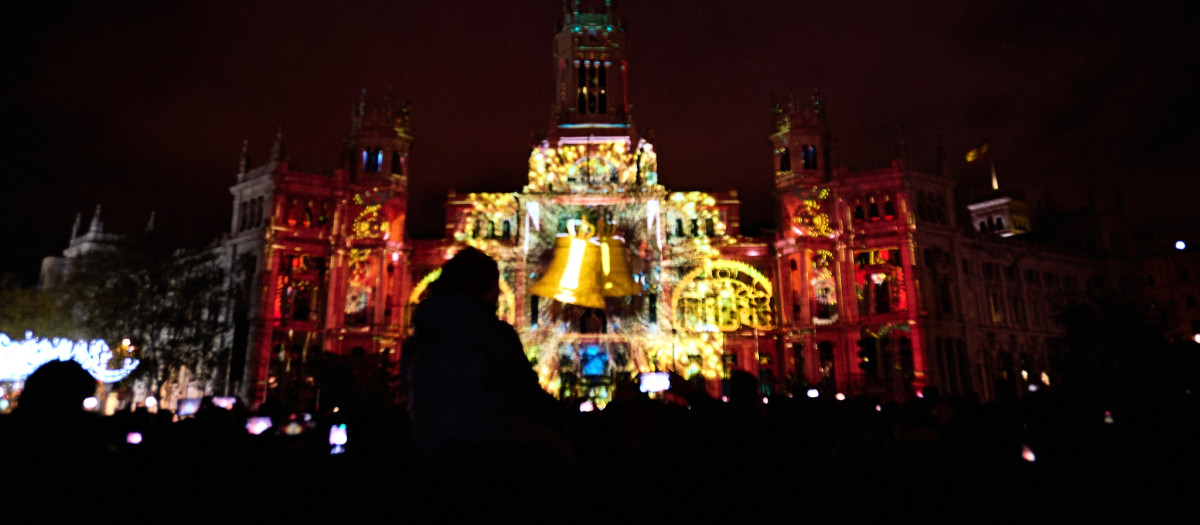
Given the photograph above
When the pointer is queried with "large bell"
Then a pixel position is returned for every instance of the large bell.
(615, 275)
(573, 276)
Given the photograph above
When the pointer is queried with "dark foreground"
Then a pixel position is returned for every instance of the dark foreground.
(793, 459)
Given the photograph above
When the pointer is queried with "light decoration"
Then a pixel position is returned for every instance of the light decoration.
(504, 307)
(813, 393)
(824, 288)
(806, 212)
(533, 222)
(18, 359)
(653, 219)
(607, 166)
(369, 224)
(724, 295)
(482, 226)
(1180, 245)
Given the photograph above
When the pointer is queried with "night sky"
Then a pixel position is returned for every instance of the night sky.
(142, 106)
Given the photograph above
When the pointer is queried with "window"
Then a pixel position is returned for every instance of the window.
(592, 86)
(397, 164)
(372, 159)
(810, 157)
(785, 159)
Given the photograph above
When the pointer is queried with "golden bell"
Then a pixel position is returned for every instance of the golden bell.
(573, 276)
(615, 275)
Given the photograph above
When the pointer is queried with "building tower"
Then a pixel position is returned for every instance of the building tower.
(591, 69)
(808, 246)
(368, 269)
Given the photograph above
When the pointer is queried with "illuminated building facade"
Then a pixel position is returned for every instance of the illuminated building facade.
(318, 262)
(873, 282)
(868, 286)
(604, 270)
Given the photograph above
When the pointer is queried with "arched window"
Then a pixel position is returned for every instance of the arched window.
(999, 223)
(505, 230)
(982, 226)
(785, 159)
(397, 164)
(873, 209)
(810, 157)
(242, 212)
(889, 208)
(679, 227)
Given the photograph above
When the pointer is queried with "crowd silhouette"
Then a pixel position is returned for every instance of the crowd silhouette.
(473, 433)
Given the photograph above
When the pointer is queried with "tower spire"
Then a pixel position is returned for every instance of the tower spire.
(244, 160)
(97, 225)
(75, 227)
(277, 150)
(591, 69)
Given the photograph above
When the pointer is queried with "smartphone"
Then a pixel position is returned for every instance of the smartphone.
(225, 402)
(337, 438)
(655, 382)
(258, 424)
(187, 407)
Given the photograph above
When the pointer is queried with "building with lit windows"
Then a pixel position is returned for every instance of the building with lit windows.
(874, 283)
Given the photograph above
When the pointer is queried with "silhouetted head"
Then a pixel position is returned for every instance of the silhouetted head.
(57, 387)
(471, 273)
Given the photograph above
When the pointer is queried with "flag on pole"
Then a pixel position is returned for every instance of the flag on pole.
(977, 153)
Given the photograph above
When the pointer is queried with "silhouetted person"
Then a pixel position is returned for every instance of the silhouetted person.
(473, 397)
(468, 377)
(53, 449)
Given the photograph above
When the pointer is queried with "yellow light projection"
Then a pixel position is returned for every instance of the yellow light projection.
(505, 309)
(806, 215)
(599, 165)
(369, 224)
(722, 296)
